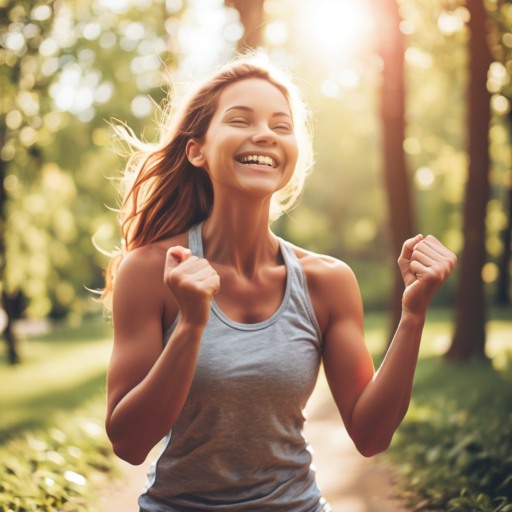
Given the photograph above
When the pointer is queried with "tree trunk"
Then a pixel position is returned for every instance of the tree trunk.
(9, 304)
(392, 109)
(13, 308)
(469, 339)
(251, 17)
(502, 293)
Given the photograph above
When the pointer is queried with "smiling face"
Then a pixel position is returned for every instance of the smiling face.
(250, 144)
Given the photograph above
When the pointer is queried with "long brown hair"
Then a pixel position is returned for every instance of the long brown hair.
(163, 194)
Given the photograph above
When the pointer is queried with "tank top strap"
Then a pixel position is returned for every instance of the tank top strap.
(195, 243)
(298, 281)
(293, 263)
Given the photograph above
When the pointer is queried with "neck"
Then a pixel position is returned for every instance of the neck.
(237, 234)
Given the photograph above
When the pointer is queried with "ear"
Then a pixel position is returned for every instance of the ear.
(194, 153)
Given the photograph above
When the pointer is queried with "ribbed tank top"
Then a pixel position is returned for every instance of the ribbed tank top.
(238, 443)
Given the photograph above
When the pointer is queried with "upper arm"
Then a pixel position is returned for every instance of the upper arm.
(347, 361)
(137, 313)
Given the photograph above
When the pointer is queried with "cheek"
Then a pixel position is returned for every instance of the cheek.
(293, 152)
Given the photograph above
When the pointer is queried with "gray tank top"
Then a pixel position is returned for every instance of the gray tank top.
(238, 443)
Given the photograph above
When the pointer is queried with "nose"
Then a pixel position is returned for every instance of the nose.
(264, 137)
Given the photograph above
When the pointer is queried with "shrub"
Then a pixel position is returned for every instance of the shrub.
(454, 448)
(58, 469)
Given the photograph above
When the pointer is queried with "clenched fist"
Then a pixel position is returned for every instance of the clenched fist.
(193, 282)
(425, 265)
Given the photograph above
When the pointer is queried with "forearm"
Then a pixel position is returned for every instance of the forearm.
(147, 413)
(384, 402)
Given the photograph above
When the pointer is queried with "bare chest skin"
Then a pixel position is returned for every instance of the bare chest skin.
(248, 301)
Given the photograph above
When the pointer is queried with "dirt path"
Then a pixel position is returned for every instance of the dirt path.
(349, 481)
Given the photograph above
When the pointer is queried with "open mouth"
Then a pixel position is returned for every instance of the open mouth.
(258, 160)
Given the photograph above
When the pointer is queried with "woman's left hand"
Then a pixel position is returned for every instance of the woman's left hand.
(425, 265)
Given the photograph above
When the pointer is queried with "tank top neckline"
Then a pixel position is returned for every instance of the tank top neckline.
(196, 247)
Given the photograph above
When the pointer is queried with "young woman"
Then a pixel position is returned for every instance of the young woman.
(220, 326)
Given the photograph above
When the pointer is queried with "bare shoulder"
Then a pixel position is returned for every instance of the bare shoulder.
(150, 258)
(321, 269)
(140, 277)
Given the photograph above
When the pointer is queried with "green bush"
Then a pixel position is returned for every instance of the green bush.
(61, 468)
(454, 448)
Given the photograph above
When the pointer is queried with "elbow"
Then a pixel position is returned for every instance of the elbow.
(371, 447)
(124, 451)
(130, 456)
(371, 451)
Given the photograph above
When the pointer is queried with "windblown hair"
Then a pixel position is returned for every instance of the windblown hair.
(163, 194)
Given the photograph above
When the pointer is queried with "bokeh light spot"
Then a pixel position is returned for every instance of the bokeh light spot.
(406, 27)
(276, 33)
(141, 106)
(412, 146)
(424, 178)
(13, 119)
(173, 6)
(234, 32)
(41, 12)
(500, 104)
(448, 23)
(330, 88)
(490, 272)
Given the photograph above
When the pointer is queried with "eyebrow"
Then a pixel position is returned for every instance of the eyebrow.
(249, 109)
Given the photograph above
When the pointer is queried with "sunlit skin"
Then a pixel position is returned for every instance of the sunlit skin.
(244, 270)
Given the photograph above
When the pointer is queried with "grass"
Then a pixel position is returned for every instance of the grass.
(60, 371)
(54, 451)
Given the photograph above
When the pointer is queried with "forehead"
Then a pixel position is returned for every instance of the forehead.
(255, 93)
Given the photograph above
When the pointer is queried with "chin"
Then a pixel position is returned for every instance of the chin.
(260, 187)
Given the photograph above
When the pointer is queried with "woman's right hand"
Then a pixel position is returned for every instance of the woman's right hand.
(193, 282)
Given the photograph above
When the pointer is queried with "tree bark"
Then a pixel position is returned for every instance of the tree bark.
(251, 17)
(469, 339)
(402, 221)
(10, 305)
(502, 293)
(13, 307)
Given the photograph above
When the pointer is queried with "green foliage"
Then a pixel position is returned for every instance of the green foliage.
(54, 158)
(58, 469)
(481, 503)
(453, 449)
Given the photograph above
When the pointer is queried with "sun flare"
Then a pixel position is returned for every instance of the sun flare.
(335, 26)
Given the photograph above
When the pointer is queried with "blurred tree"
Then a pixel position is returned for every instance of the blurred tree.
(500, 42)
(64, 68)
(469, 338)
(251, 17)
(502, 293)
(391, 47)
(14, 82)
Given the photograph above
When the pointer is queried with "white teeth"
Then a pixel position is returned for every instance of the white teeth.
(259, 159)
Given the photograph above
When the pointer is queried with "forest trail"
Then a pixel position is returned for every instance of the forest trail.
(349, 481)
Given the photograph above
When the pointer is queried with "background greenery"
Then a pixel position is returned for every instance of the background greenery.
(67, 67)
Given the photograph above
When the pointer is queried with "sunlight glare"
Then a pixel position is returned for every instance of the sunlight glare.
(336, 25)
